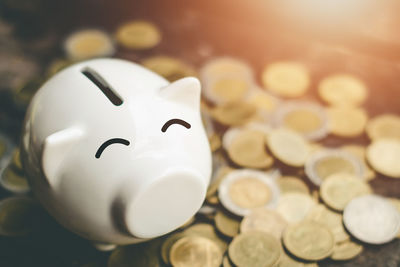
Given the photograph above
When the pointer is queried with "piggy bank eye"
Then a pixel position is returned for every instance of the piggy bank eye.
(175, 121)
(110, 142)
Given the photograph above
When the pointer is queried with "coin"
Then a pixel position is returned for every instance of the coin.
(342, 90)
(254, 248)
(347, 121)
(226, 262)
(237, 113)
(138, 34)
(245, 189)
(225, 66)
(167, 244)
(88, 43)
(191, 251)
(331, 219)
(346, 251)
(326, 162)
(14, 181)
(294, 207)
(339, 189)
(383, 155)
(264, 220)
(227, 88)
(215, 142)
(142, 254)
(384, 126)
(288, 146)
(360, 153)
(216, 180)
(247, 149)
(288, 261)
(309, 240)
(170, 68)
(372, 219)
(305, 118)
(226, 224)
(289, 184)
(17, 216)
(208, 231)
(287, 79)
(263, 100)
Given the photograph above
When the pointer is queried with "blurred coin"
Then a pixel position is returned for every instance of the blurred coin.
(360, 153)
(288, 146)
(254, 248)
(167, 244)
(245, 189)
(88, 43)
(331, 219)
(208, 231)
(191, 251)
(138, 35)
(142, 254)
(17, 216)
(347, 121)
(215, 142)
(247, 149)
(342, 90)
(346, 251)
(264, 220)
(372, 219)
(170, 68)
(234, 113)
(291, 184)
(309, 240)
(324, 163)
(294, 207)
(14, 181)
(263, 100)
(216, 179)
(384, 126)
(226, 262)
(227, 88)
(56, 66)
(305, 118)
(288, 261)
(226, 224)
(339, 189)
(287, 79)
(225, 66)
(383, 155)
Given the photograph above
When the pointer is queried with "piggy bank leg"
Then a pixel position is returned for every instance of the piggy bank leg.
(104, 246)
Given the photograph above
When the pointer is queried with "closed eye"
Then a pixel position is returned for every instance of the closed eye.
(110, 142)
(175, 121)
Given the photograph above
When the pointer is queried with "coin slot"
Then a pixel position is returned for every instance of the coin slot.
(95, 78)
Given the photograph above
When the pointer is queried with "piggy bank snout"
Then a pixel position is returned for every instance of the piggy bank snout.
(165, 204)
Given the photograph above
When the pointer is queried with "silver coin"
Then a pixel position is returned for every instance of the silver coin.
(372, 219)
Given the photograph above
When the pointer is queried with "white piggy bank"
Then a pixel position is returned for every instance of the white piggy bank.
(115, 152)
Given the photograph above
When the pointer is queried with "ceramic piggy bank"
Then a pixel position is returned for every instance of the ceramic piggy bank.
(115, 152)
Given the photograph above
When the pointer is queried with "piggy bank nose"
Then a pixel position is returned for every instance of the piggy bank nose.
(165, 204)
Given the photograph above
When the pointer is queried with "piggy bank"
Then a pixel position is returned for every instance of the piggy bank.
(116, 153)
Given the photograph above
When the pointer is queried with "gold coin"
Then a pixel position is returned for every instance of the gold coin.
(247, 149)
(88, 43)
(347, 121)
(340, 188)
(384, 126)
(383, 155)
(360, 153)
(232, 114)
(309, 240)
(14, 181)
(342, 90)
(262, 100)
(249, 193)
(294, 207)
(288, 261)
(330, 219)
(226, 224)
(226, 262)
(138, 35)
(192, 251)
(288, 146)
(170, 68)
(167, 244)
(346, 251)
(215, 142)
(208, 231)
(254, 248)
(17, 216)
(224, 89)
(303, 121)
(142, 254)
(290, 184)
(287, 79)
(225, 66)
(264, 220)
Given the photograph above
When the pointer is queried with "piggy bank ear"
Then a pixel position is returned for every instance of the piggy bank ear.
(55, 147)
(185, 91)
